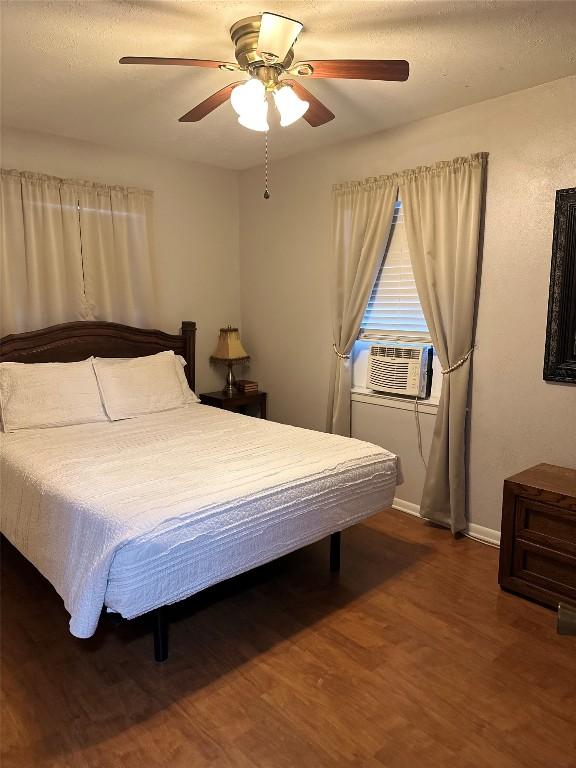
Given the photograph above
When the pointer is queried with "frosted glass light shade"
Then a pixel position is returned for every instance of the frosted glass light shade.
(277, 35)
(290, 106)
(255, 118)
(247, 96)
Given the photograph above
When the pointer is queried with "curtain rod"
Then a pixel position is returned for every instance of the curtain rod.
(57, 181)
(478, 158)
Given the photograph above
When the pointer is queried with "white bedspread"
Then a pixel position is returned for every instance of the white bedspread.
(77, 499)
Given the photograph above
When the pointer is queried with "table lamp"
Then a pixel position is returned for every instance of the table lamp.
(229, 350)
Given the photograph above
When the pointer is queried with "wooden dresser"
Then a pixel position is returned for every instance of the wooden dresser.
(538, 543)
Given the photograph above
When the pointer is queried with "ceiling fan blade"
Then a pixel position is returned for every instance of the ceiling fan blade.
(179, 62)
(317, 113)
(277, 35)
(209, 104)
(354, 69)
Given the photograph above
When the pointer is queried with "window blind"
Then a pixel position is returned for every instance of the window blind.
(394, 306)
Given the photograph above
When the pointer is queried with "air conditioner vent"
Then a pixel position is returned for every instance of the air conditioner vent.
(396, 352)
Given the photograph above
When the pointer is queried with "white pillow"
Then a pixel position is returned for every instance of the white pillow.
(49, 395)
(135, 386)
(189, 395)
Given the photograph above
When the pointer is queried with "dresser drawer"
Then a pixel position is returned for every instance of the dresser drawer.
(545, 568)
(546, 523)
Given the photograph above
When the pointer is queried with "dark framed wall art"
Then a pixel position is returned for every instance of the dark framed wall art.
(560, 353)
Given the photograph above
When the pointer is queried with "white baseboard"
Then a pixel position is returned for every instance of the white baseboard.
(474, 531)
(406, 506)
(485, 535)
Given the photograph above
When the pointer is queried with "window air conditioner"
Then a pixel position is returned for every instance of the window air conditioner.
(400, 369)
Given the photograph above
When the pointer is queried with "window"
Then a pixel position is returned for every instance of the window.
(394, 311)
(394, 307)
(77, 250)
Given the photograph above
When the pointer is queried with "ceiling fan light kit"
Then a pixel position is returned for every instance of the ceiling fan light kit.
(249, 101)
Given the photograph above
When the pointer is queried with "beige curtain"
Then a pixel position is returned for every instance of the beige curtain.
(442, 212)
(117, 238)
(40, 264)
(74, 250)
(362, 217)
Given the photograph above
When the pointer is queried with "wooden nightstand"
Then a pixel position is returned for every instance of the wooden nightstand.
(238, 401)
(538, 544)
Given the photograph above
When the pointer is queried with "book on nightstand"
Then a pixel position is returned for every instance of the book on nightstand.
(246, 386)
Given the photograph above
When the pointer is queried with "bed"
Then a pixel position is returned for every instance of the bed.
(133, 515)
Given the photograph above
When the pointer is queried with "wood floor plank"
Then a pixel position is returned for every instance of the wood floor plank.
(411, 657)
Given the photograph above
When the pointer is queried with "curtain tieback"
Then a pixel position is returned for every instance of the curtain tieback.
(458, 363)
(340, 355)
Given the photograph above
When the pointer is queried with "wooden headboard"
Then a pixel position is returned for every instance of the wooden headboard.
(70, 342)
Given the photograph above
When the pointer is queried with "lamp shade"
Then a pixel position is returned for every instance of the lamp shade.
(229, 347)
(277, 35)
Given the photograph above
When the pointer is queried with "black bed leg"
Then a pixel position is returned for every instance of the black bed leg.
(335, 552)
(160, 619)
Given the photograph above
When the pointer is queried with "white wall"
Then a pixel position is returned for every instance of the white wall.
(395, 429)
(196, 227)
(517, 419)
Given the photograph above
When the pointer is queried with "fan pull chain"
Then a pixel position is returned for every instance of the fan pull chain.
(266, 191)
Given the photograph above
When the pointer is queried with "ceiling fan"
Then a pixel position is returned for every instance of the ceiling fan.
(264, 49)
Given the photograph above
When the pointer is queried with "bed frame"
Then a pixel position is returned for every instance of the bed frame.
(71, 342)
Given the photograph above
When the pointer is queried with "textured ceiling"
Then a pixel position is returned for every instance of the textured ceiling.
(60, 71)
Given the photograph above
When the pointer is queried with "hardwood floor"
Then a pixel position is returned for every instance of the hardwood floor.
(411, 657)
